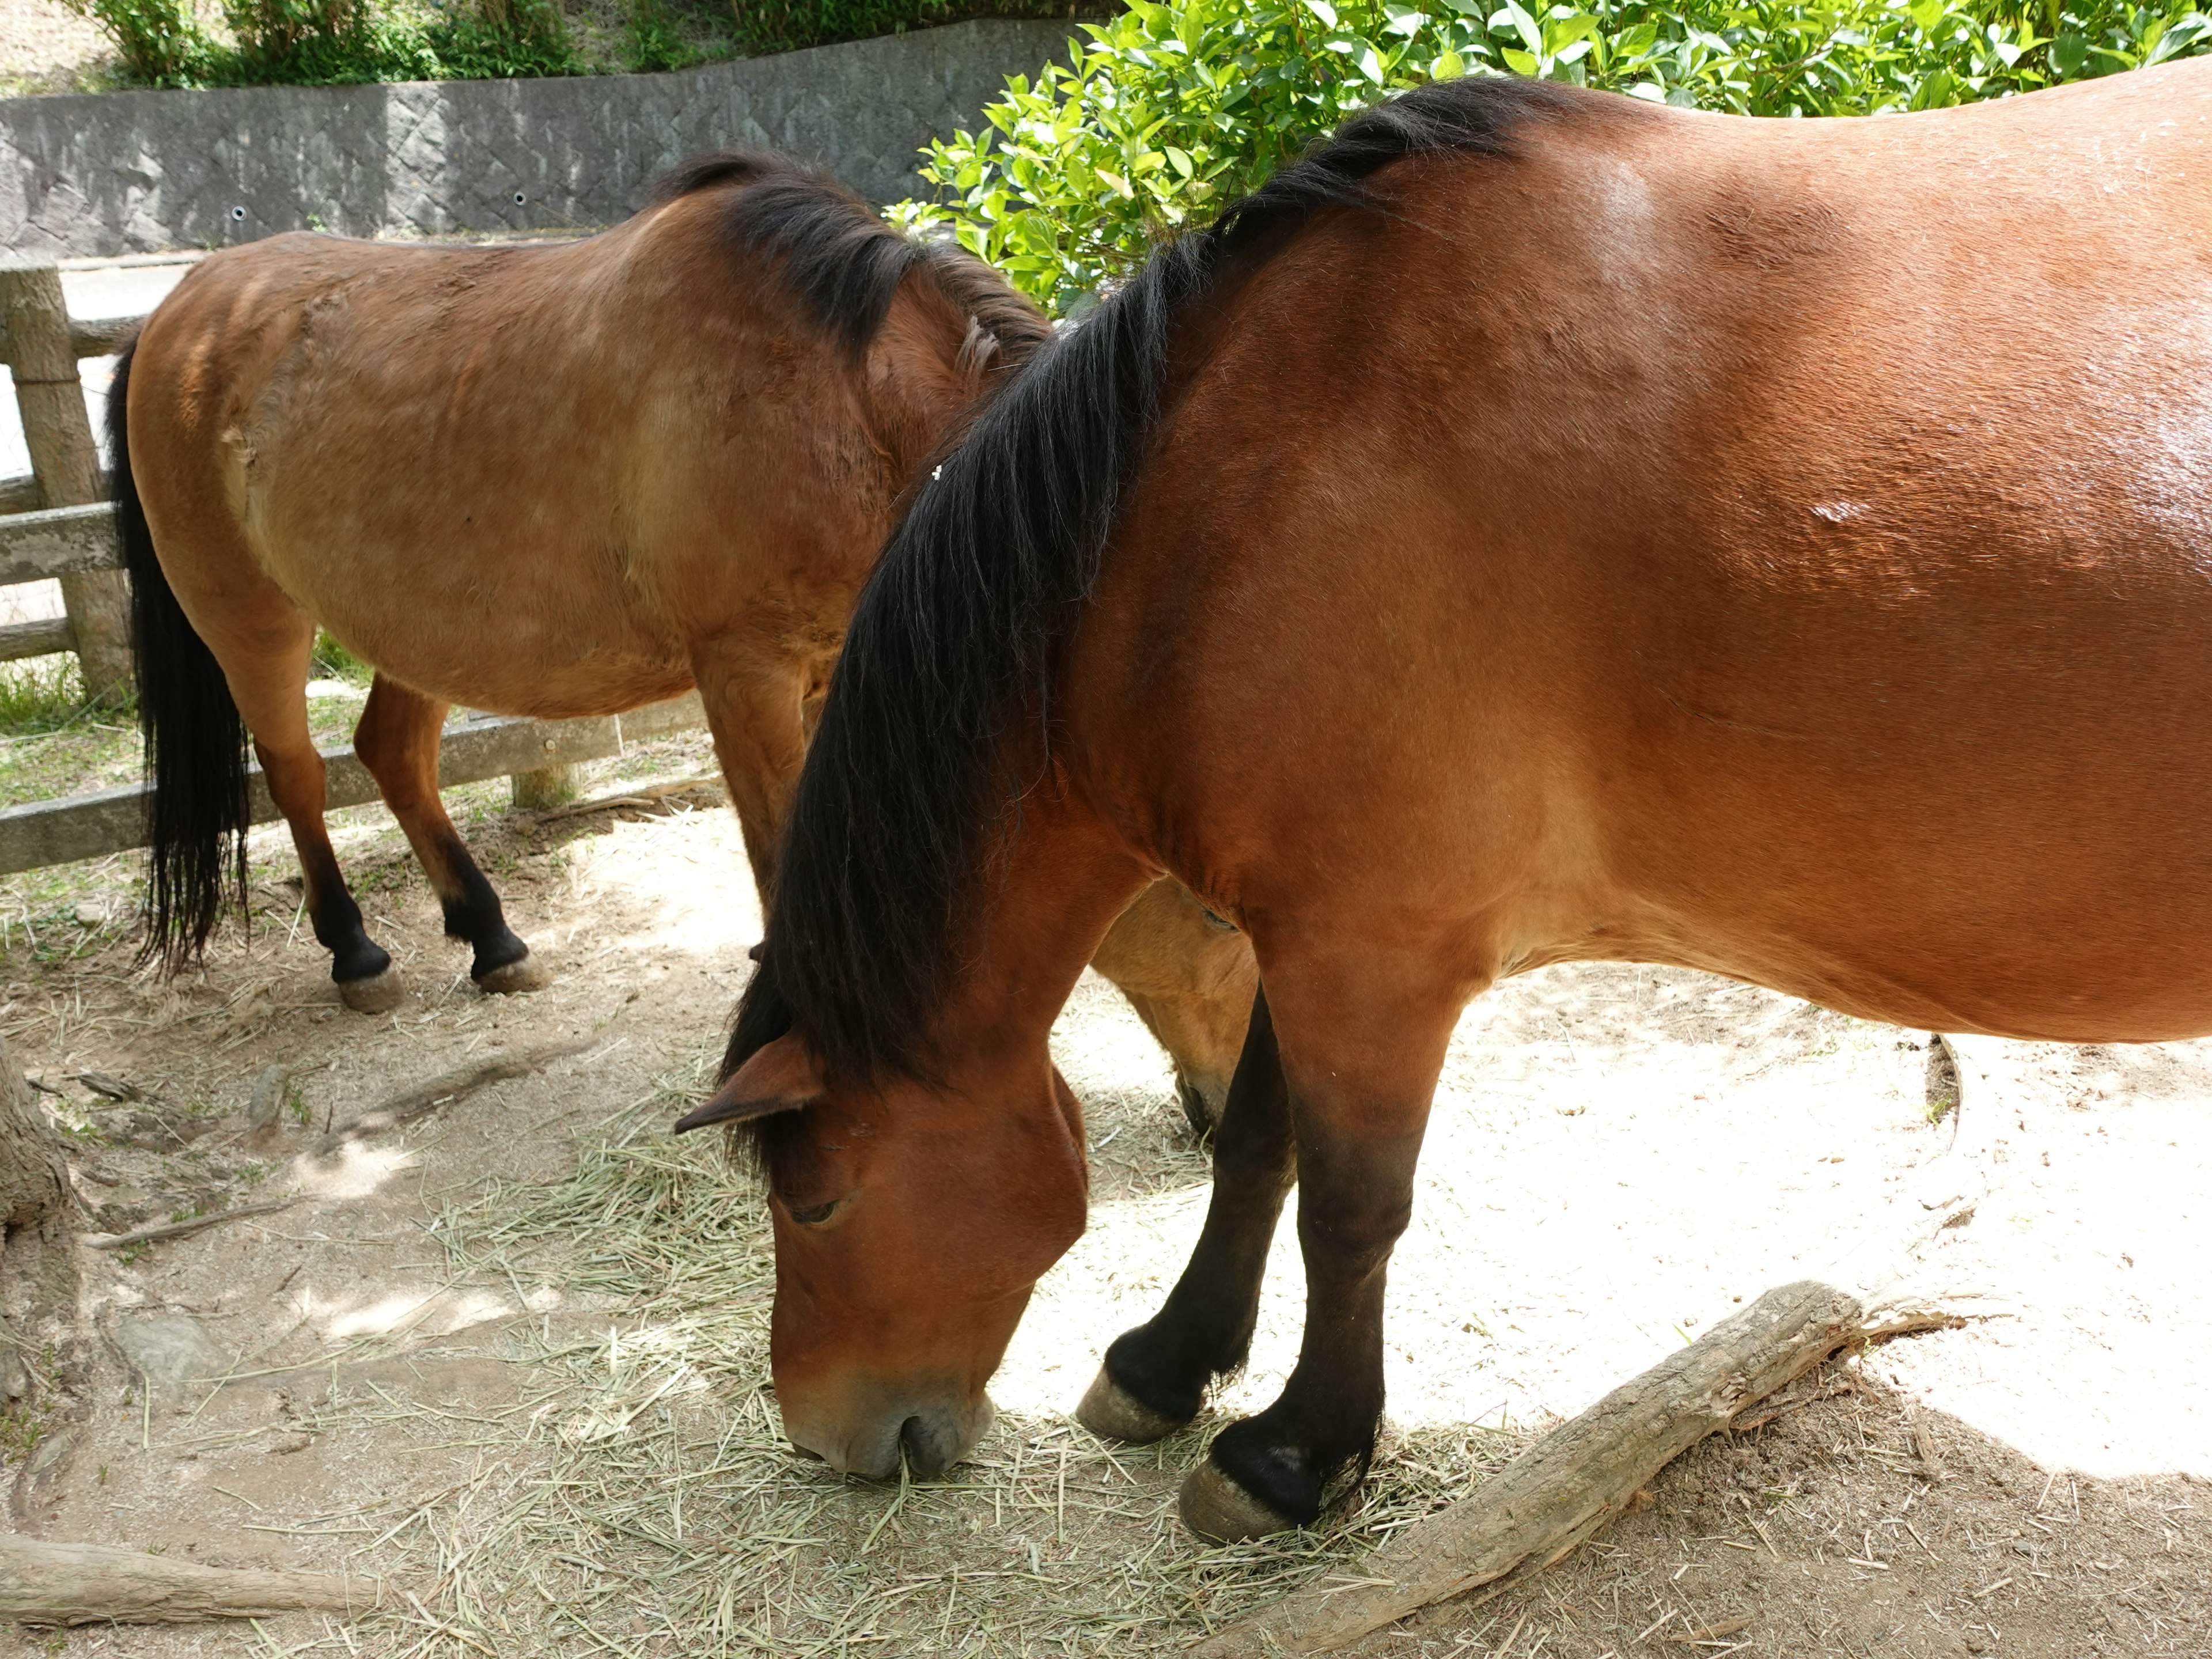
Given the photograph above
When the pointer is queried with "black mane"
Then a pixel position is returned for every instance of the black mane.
(952, 646)
(843, 262)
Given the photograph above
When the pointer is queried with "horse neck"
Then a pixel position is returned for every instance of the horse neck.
(916, 383)
(1045, 901)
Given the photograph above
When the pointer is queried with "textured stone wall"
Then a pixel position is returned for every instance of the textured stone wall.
(126, 171)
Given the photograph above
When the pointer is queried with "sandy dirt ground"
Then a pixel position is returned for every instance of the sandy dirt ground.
(512, 1355)
(44, 46)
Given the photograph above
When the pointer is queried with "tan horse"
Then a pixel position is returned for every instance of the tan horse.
(1539, 527)
(549, 481)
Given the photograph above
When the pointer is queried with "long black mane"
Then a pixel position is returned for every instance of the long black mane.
(843, 262)
(953, 643)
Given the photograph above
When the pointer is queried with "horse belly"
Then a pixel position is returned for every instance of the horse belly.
(470, 541)
(550, 631)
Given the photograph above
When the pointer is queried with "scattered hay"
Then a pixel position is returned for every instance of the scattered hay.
(641, 1499)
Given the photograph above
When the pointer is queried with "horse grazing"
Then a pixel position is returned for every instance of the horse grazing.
(551, 481)
(1537, 526)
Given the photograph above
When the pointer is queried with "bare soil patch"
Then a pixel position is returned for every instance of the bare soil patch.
(47, 47)
(513, 1354)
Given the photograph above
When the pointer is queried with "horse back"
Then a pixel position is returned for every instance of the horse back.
(603, 450)
(1784, 548)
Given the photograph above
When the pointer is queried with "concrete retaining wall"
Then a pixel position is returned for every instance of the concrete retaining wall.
(127, 171)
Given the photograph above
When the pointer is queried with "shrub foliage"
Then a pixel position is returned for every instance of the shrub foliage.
(322, 42)
(1170, 110)
(332, 42)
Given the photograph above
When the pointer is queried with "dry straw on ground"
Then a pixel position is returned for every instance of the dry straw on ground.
(641, 1499)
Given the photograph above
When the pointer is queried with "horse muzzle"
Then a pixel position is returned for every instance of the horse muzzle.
(930, 1433)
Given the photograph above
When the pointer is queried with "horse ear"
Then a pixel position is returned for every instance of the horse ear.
(784, 1076)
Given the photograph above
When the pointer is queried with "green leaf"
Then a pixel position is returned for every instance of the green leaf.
(1070, 178)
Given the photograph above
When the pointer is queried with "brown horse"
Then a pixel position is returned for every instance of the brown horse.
(550, 480)
(1538, 526)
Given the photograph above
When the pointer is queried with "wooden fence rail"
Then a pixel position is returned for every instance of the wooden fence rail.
(57, 523)
(114, 820)
(57, 541)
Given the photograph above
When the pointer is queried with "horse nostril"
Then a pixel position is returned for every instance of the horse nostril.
(926, 1453)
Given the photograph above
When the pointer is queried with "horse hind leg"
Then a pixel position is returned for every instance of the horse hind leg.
(397, 742)
(1190, 976)
(268, 676)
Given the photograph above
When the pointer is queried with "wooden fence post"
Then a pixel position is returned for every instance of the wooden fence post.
(545, 787)
(65, 459)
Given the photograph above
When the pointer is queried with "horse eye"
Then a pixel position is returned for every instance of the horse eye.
(814, 1214)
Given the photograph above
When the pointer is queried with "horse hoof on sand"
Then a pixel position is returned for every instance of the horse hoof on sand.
(1112, 1413)
(1217, 1508)
(380, 993)
(523, 973)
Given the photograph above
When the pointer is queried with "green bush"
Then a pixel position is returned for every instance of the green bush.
(158, 40)
(654, 40)
(323, 42)
(1169, 111)
(499, 39)
(303, 42)
(783, 25)
(335, 42)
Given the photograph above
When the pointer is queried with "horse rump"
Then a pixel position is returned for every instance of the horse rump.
(196, 809)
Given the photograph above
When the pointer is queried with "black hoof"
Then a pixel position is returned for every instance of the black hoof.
(358, 958)
(1156, 1384)
(1216, 1507)
(1112, 1413)
(379, 993)
(526, 973)
(503, 950)
(1280, 1480)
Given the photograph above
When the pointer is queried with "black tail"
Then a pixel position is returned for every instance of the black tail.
(195, 810)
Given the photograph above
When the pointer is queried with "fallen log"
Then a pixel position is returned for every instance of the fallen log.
(1572, 1484)
(198, 1224)
(408, 1105)
(1575, 1480)
(47, 1582)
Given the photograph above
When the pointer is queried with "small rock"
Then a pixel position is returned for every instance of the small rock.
(268, 1097)
(169, 1352)
(291, 1443)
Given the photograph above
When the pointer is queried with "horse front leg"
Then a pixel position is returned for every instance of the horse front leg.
(397, 742)
(756, 702)
(1359, 1069)
(1155, 1377)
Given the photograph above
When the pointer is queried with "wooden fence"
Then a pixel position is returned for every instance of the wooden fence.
(58, 524)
